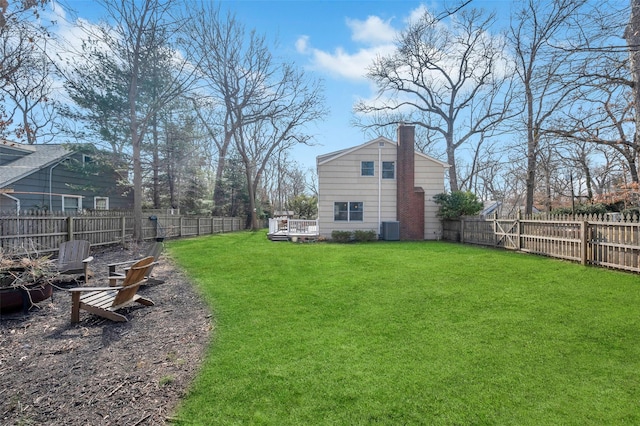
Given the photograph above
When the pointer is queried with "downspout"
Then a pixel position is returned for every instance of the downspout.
(17, 211)
(379, 187)
(50, 177)
(14, 199)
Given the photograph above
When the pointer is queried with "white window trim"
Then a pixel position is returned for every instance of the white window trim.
(383, 170)
(373, 163)
(349, 211)
(95, 202)
(79, 198)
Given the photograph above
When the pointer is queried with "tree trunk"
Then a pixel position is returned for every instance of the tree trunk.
(451, 159)
(136, 142)
(156, 163)
(632, 35)
(218, 188)
(252, 199)
(532, 146)
(137, 183)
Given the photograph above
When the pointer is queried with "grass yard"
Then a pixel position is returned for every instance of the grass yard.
(410, 333)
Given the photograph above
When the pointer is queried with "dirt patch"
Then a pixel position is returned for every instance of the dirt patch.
(100, 372)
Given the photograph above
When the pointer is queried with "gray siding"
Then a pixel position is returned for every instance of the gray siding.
(7, 155)
(66, 181)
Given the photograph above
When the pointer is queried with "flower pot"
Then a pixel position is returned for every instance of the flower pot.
(15, 298)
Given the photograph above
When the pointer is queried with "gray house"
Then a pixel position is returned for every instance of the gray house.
(57, 178)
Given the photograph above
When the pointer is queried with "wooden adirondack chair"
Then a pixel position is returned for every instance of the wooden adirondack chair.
(73, 258)
(154, 250)
(104, 301)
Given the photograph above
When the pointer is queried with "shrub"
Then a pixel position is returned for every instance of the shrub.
(368, 235)
(633, 211)
(597, 208)
(341, 236)
(457, 204)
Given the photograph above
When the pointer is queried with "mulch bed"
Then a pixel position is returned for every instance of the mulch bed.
(100, 372)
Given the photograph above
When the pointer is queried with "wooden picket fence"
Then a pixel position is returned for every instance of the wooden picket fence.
(44, 233)
(588, 239)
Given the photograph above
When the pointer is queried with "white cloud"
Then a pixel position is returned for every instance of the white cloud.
(374, 31)
(352, 66)
(302, 44)
(416, 14)
(376, 37)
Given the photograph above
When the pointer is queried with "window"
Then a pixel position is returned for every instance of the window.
(71, 204)
(348, 211)
(367, 168)
(101, 203)
(388, 170)
(86, 159)
(355, 211)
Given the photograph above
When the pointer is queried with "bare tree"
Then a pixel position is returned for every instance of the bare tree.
(606, 119)
(601, 111)
(228, 58)
(632, 35)
(25, 72)
(449, 80)
(484, 156)
(283, 180)
(543, 71)
(12, 11)
(288, 100)
(260, 104)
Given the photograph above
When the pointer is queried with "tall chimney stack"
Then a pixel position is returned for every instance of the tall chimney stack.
(410, 199)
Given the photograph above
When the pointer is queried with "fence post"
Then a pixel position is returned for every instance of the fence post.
(69, 228)
(198, 231)
(461, 230)
(583, 241)
(495, 229)
(181, 224)
(123, 228)
(518, 231)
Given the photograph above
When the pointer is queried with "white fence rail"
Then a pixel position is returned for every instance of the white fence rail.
(293, 227)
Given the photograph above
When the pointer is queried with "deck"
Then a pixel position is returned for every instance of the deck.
(283, 229)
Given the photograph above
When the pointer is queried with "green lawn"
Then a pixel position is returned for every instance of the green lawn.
(410, 333)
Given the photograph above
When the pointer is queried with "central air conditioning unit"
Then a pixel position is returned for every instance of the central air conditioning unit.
(390, 231)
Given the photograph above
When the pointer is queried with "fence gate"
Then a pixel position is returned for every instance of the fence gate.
(507, 233)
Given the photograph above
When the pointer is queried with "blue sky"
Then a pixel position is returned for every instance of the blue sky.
(334, 40)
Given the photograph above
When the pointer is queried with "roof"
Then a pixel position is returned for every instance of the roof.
(38, 158)
(325, 158)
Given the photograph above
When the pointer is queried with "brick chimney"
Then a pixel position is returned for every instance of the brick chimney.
(410, 199)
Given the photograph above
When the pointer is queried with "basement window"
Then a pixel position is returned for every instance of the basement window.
(348, 211)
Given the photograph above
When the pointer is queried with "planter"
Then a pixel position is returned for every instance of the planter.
(15, 298)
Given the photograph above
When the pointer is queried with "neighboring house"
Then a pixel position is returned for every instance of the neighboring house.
(55, 178)
(491, 208)
(378, 182)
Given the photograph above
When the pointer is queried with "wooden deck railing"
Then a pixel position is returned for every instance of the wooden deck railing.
(297, 227)
(44, 234)
(592, 240)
